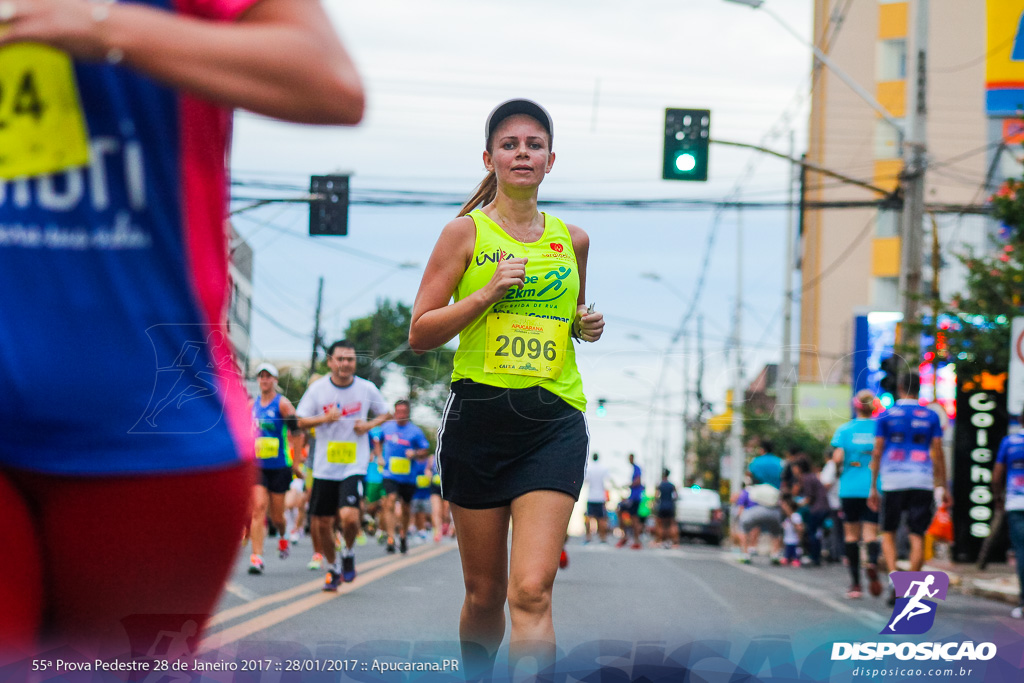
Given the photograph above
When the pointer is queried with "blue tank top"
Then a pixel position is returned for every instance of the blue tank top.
(271, 435)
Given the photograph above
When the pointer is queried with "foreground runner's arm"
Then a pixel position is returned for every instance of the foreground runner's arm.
(281, 58)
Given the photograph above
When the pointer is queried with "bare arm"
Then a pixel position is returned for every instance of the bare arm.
(281, 58)
(999, 485)
(876, 462)
(939, 469)
(590, 326)
(363, 426)
(333, 415)
(434, 320)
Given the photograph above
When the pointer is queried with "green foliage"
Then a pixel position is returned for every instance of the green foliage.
(784, 436)
(382, 339)
(992, 294)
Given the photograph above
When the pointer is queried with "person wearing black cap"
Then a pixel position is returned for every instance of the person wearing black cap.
(513, 440)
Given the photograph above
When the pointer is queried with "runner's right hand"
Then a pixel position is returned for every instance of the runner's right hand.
(508, 274)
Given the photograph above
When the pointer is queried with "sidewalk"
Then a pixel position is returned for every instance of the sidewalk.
(996, 582)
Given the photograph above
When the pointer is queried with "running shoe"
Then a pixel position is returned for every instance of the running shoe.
(391, 546)
(874, 585)
(621, 543)
(891, 600)
(854, 592)
(316, 563)
(332, 581)
(338, 541)
(783, 561)
(295, 536)
(776, 560)
(382, 539)
(1017, 613)
(348, 569)
(403, 545)
(283, 548)
(361, 539)
(745, 559)
(794, 563)
(636, 545)
(255, 564)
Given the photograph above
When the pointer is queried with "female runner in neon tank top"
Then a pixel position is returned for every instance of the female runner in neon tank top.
(513, 441)
(123, 496)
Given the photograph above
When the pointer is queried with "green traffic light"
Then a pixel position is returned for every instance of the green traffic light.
(686, 162)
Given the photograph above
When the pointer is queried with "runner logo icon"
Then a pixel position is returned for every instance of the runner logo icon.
(914, 613)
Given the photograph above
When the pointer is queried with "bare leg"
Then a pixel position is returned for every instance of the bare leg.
(257, 529)
(539, 523)
(916, 552)
(483, 547)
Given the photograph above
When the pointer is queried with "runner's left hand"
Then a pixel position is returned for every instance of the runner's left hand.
(590, 325)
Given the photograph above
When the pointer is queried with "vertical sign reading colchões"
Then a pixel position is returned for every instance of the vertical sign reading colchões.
(981, 424)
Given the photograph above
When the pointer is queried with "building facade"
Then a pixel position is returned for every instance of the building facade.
(851, 256)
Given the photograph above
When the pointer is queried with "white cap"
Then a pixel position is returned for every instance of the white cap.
(266, 367)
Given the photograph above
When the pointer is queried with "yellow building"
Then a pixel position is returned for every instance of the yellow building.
(851, 257)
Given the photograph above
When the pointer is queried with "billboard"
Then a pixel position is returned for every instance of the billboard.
(1004, 63)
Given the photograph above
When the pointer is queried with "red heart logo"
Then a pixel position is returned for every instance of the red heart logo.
(557, 247)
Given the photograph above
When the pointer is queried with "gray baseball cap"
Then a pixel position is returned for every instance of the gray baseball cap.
(518, 106)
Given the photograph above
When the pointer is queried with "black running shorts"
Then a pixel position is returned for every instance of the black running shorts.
(276, 480)
(404, 491)
(496, 444)
(330, 495)
(917, 503)
(856, 510)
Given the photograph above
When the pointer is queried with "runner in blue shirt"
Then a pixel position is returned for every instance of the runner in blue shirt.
(908, 454)
(1008, 485)
(853, 443)
(403, 443)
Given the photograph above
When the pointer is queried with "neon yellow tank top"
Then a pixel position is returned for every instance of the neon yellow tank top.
(523, 340)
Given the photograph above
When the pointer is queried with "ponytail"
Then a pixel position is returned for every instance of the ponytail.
(484, 194)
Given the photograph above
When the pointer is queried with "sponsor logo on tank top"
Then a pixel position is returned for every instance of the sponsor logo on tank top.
(494, 257)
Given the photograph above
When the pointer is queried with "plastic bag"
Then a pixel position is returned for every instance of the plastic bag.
(942, 525)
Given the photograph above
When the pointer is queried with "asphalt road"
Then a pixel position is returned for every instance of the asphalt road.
(620, 610)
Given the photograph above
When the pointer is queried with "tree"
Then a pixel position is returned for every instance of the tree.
(382, 340)
(983, 311)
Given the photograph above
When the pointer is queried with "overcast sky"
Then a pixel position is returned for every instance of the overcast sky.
(606, 71)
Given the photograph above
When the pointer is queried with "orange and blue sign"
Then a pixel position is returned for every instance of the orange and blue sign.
(1004, 66)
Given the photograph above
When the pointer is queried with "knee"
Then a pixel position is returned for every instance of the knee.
(485, 595)
(531, 595)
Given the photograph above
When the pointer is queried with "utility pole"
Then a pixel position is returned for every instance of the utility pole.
(700, 398)
(316, 327)
(784, 391)
(686, 407)
(736, 433)
(914, 165)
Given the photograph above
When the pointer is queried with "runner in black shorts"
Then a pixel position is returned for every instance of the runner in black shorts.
(339, 406)
(272, 414)
(513, 441)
